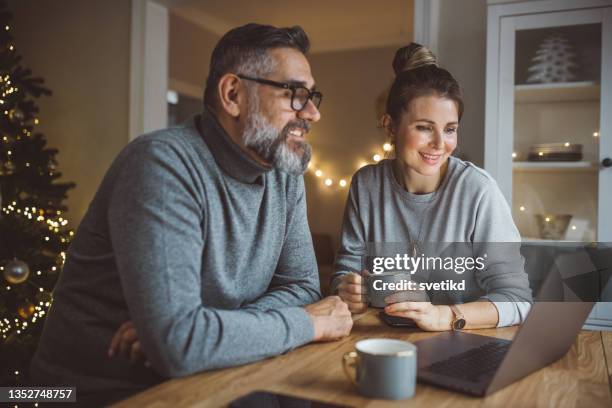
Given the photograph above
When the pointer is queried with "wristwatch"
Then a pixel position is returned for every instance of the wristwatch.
(458, 322)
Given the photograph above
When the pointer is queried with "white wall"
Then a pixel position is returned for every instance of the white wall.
(81, 49)
(462, 51)
(189, 52)
(351, 82)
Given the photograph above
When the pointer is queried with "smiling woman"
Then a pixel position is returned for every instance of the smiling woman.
(425, 195)
(424, 139)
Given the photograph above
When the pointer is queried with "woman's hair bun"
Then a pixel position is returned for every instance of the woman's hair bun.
(413, 56)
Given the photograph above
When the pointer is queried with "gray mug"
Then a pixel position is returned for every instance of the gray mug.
(384, 368)
(377, 289)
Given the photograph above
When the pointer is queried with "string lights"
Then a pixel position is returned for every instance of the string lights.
(55, 224)
(341, 183)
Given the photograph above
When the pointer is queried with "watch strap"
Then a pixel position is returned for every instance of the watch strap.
(458, 318)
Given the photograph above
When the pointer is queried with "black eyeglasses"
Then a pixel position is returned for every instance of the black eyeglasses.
(300, 95)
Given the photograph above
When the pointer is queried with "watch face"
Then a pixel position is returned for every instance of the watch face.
(459, 324)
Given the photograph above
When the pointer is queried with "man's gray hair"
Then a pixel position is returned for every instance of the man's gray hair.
(246, 46)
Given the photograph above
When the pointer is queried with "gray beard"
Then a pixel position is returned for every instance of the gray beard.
(273, 146)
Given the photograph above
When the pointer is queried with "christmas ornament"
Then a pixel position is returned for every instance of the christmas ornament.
(7, 168)
(59, 261)
(553, 61)
(16, 115)
(26, 310)
(16, 271)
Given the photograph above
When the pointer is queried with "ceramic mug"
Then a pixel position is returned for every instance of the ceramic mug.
(384, 368)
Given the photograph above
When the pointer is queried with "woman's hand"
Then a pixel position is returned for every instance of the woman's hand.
(125, 342)
(352, 290)
(427, 316)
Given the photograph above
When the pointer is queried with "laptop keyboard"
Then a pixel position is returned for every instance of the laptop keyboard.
(474, 364)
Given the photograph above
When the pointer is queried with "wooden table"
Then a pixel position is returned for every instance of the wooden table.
(580, 379)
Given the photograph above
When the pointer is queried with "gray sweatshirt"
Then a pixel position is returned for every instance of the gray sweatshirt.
(468, 207)
(206, 251)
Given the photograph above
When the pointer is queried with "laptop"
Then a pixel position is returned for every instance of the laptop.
(480, 365)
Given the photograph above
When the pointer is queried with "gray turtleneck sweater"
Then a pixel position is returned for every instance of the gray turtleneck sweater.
(466, 216)
(206, 251)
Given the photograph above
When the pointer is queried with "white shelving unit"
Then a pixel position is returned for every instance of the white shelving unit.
(520, 114)
(527, 166)
(557, 92)
(532, 240)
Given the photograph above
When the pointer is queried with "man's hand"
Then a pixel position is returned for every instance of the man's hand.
(351, 289)
(125, 342)
(331, 318)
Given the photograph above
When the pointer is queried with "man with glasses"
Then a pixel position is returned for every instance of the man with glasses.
(196, 245)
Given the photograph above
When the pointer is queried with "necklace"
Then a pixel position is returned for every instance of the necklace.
(415, 246)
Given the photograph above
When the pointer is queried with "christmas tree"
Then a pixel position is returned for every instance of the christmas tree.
(553, 61)
(34, 235)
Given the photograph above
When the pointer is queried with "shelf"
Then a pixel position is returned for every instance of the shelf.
(557, 92)
(578, 166)
(532, 240)
(542, 241)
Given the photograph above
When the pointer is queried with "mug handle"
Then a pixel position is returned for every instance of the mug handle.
(349, 360)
